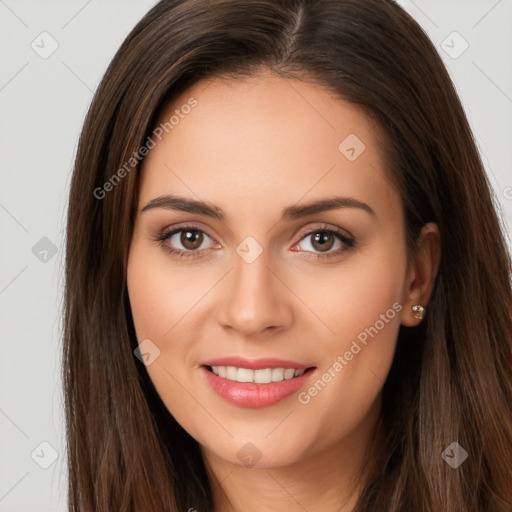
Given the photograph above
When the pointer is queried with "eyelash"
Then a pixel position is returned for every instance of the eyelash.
(348, 242)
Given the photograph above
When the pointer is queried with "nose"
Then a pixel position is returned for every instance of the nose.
(255, 298)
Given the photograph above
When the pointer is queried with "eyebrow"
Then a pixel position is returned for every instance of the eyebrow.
(173, 202)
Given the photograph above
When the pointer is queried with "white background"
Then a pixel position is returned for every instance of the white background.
(42, 107)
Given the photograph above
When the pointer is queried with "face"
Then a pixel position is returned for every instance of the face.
(271, 323)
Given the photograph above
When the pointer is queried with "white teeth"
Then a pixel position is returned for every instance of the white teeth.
(277, 374)
(289, 373)
(231, 372)
(245, 375)
(263, 376)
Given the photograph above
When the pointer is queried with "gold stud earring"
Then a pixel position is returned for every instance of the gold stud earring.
(417, 311)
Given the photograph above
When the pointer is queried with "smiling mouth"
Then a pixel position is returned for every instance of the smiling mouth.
(261, 376)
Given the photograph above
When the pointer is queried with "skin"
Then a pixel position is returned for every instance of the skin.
(253, 147)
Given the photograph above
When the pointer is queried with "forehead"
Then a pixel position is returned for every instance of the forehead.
(264, 139)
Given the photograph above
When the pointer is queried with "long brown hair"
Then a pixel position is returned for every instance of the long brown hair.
(451, 379)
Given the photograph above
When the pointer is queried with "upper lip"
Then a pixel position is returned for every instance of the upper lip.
(255, 364)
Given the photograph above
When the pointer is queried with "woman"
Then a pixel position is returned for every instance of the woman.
(287, 287)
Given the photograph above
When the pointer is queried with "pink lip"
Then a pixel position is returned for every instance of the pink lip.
(248, 394)
(255, 364)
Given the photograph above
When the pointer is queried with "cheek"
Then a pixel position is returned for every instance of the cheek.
(160, 296)
(160, 299)
(362, 306)
(365, 295)
(355, 295)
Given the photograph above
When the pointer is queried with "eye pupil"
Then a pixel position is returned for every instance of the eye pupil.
(320, 239)
(191, 239)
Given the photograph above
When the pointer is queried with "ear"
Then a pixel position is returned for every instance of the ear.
(421, 272)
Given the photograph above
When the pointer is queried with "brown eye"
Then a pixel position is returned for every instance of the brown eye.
(323, 241)
(191, 239)
(185, 240)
